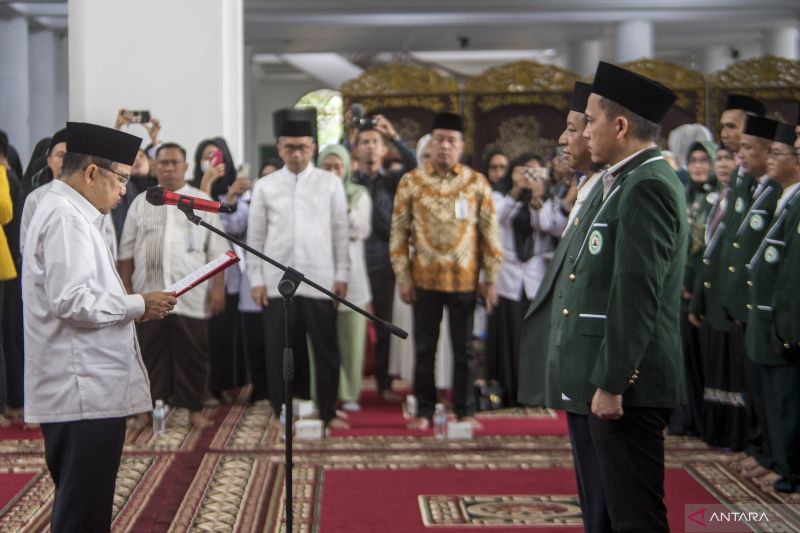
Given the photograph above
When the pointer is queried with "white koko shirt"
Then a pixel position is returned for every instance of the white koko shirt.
(82, 359)
(32, 202)
(165, 247)
(299, 220)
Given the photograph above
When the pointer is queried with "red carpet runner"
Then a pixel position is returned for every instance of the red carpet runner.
(515, 475)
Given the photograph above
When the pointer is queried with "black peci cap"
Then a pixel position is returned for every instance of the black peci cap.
(643, 96)
(761, 127)
(784, 134)
(746, 103)
(296, 128)
(448, 121)
(100, 141)
(580, 95)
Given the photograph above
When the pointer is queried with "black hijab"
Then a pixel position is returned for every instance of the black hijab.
(220, 186)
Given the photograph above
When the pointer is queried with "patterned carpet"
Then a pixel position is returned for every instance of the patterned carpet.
(231, 478)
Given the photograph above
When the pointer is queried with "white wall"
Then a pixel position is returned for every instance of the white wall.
(180, 59)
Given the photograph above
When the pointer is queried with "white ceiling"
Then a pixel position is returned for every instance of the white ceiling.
(465, 36)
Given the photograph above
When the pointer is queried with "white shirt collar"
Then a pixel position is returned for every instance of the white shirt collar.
(83, 205)
(613, 169)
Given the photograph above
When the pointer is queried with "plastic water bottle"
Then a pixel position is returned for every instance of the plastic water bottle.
(440, 422)
(410, 407)
(159, 418)
(283, 421)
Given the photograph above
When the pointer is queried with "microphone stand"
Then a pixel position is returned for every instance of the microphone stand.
(287, 286)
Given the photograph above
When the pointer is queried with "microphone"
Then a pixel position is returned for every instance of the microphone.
(158, 196)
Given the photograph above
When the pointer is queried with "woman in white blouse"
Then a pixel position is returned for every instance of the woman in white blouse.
(351, 327)
(530, 225)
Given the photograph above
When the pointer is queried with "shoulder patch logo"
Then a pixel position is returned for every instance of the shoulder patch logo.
(757, 222)
(595, 242)
(771, 254)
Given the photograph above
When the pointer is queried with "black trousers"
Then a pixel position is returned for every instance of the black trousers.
(631, 458)
(83, 458)
(315, 318)
(227, 367)
(428, 311)
(782, 422)
(758, 445)
(382, 286)
(504, 330)
(587, 473)
(251, 331)
(12, 340)
(175, 352)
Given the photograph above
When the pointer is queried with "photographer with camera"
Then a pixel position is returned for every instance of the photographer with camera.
(528, 220)
(370, 146)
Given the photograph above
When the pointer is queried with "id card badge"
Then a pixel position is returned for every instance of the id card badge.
(461, 208)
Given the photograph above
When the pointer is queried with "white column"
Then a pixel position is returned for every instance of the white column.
(181, 60)
(583, 56)
(250, 144)
(14, 85)
(633, 39)
(715, 58)
(62, 80)
(42, 84)
(783, 41)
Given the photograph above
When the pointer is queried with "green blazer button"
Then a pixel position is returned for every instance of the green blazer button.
(707, 284)
(565, 312)
(731, 269)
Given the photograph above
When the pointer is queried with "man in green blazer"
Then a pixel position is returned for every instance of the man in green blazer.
(620, 350)
(738, 246)
(772, 313)
(725, 415)
(541, 327)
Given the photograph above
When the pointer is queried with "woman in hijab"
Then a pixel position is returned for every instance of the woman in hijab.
(227, 366)
(351, 326)
(529, 223)
(700, 197)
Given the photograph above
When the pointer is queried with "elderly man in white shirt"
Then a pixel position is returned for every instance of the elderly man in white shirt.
(298, 216)
(83, 369)
(57, 145)
(160, 246)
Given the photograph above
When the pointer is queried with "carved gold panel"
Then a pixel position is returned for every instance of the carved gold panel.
(775, 80)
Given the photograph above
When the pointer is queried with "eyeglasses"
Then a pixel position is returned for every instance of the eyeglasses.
(701, 160)
(168, 162)
(302, 148)
(121, 178)
(775, 154)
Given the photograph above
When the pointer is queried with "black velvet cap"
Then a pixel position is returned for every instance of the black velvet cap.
(58, 137)
(784, 134)
(643, 96)
(100, 141)
(448, 121)
(746, 103)
(296, 128)
(762, 127)
(580, 95)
